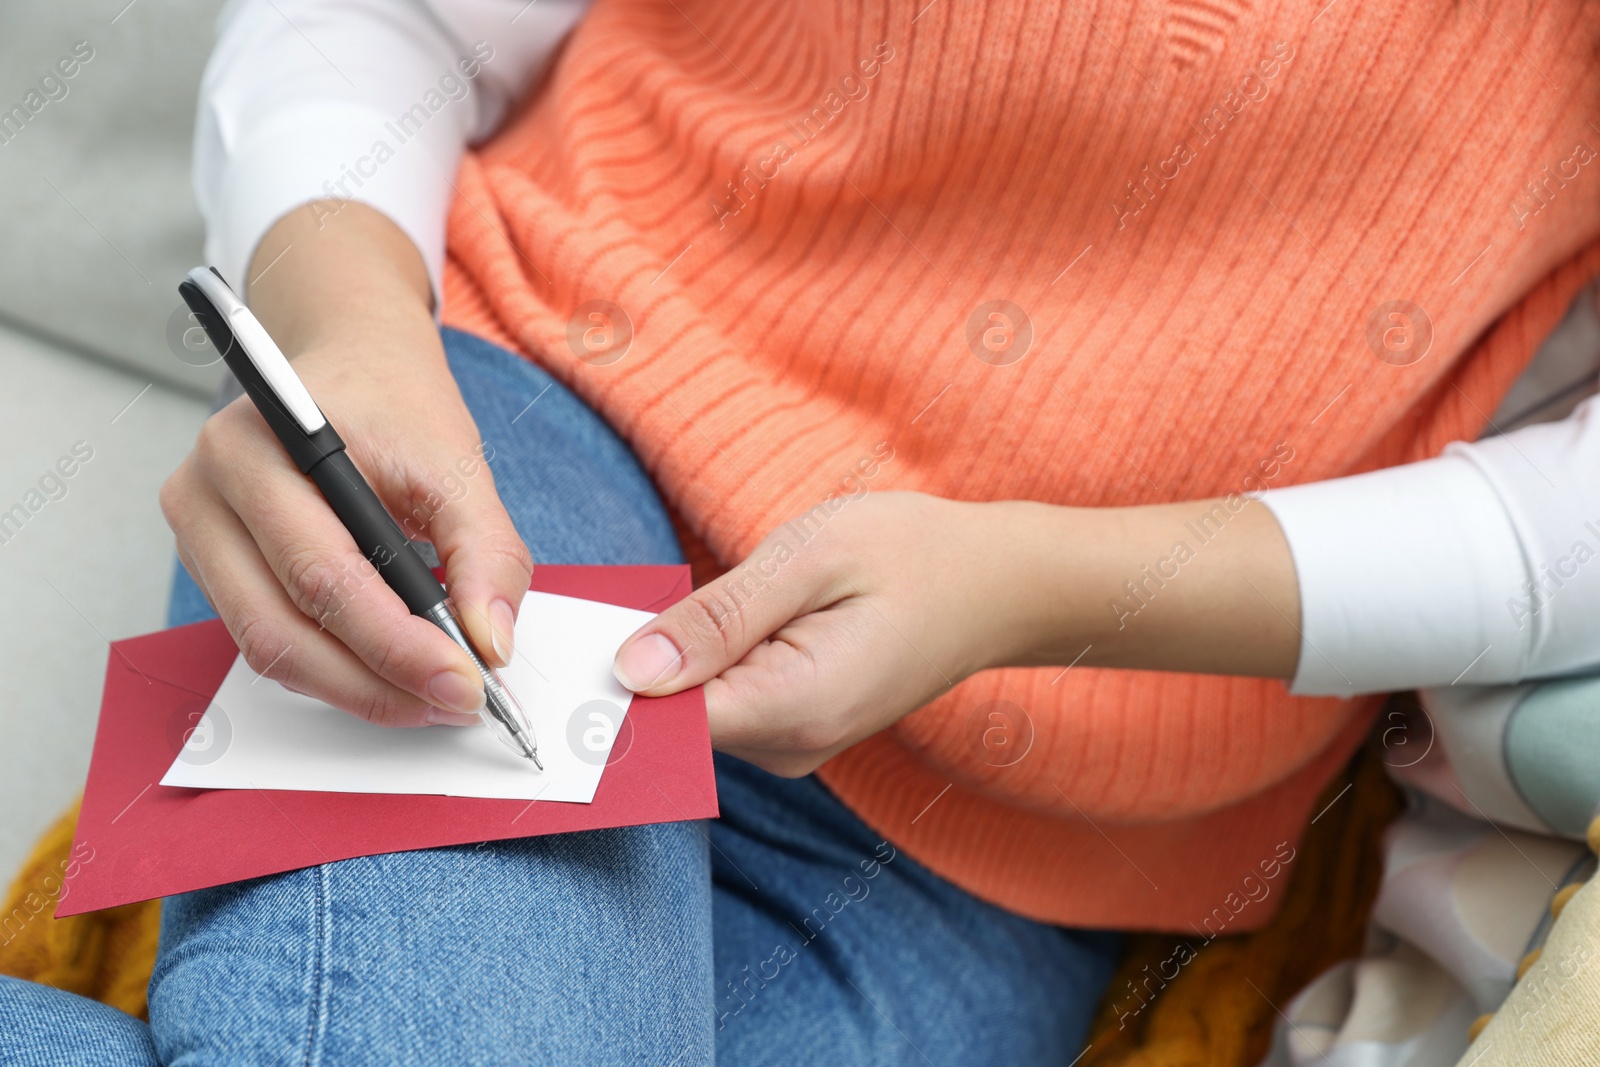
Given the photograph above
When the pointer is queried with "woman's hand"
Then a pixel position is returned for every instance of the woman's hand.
(349, 304)
(857, 613)
(838, 624)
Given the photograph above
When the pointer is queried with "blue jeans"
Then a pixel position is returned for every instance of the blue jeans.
(785, 931)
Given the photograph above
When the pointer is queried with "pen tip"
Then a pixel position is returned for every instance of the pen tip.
(535, 757)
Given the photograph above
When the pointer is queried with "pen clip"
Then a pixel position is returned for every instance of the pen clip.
(260, 349)
(261, 367)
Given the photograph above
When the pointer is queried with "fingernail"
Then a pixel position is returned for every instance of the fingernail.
(502, 629)
(647, 662)
(451, 690)
(442, 717)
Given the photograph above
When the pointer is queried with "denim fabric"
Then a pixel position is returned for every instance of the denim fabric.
(44, 1026)
(786, 931)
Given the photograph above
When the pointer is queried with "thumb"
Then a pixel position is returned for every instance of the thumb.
(487, 567)
(713, 627)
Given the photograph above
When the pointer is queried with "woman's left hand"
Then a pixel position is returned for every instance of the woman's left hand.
(838, 624)
(863, 609)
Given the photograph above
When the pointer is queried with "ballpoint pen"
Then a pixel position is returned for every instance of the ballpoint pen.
(315, 447)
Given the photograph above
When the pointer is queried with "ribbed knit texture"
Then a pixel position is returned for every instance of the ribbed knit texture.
(785, 324)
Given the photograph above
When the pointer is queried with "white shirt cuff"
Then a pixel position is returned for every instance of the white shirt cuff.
(1405, 575)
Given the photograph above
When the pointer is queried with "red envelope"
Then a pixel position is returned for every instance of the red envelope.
(138, 839)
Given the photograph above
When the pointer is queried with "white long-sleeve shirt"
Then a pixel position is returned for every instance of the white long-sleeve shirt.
(1481, 566)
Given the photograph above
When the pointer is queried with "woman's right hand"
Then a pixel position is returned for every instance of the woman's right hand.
(349, 304)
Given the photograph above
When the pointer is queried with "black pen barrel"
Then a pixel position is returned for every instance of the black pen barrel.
(375, 532)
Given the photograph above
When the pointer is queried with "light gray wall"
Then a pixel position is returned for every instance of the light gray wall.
(97, 217)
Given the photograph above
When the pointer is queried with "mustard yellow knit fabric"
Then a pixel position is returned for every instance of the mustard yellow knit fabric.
(105, 955)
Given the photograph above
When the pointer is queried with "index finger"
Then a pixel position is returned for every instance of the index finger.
(328, 579)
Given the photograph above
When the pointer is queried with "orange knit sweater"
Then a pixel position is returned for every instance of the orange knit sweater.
(792, 222)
